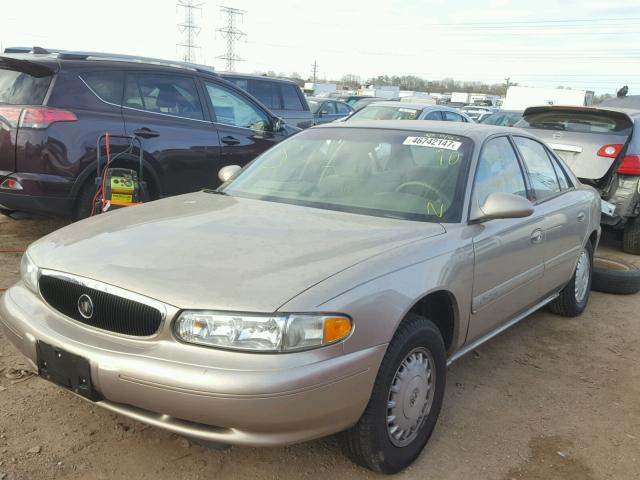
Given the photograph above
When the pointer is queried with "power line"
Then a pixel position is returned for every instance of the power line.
(189, 28)
(231, 33)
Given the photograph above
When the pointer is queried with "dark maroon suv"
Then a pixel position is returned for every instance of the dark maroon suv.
(55, 105)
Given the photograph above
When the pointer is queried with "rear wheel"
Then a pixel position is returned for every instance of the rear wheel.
(631, 237)
(574, 297)
(84, 200)
(405, 402)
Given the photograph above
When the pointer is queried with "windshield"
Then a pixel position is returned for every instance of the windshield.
(402, 174)
(375, 112)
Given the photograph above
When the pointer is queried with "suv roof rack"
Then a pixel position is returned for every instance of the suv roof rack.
(115, 57)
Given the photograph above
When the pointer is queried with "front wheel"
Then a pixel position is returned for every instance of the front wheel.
(405, 402)
(574, 297)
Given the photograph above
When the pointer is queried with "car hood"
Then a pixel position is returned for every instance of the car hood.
(204, 250)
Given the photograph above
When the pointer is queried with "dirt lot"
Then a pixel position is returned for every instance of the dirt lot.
(552, 398)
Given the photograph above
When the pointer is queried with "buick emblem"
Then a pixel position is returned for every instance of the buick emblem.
(85, 306)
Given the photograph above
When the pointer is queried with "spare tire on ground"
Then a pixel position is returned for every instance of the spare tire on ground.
(612, 275)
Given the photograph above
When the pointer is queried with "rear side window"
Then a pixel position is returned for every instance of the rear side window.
(267, 92)
(577, 121)
(541, 171)
(435, 115)
(20, 88)
(175, 95)
(107, 85)
(290, 97)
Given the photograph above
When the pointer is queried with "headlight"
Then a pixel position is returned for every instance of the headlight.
(266, 333)
(29, 273)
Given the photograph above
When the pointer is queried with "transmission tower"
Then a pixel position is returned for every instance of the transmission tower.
(314, 71)
(231, 33)
(189, 28)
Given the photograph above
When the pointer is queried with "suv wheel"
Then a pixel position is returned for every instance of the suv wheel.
(574, 297)
(405, 402)
(631, 237)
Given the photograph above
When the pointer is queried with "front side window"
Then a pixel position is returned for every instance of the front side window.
(543, 176)
(232, 109)
(159, 93)
(498, 171)
(343, 109)
(452, 116)
(394, 173)
(435, 115)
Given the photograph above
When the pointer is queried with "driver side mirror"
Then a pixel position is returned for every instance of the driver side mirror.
(277, 125)
(502, 205)
(225, 173)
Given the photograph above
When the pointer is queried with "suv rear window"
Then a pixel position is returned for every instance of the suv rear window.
(576, 121)
(20, 88)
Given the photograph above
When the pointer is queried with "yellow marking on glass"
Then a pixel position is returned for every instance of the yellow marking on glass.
(432, 207)
(454, 157)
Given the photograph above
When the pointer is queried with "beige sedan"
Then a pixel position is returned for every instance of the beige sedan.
(323, 288)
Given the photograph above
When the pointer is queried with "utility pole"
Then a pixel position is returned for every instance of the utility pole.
(231, 33)
(314, 71)
(190, 29)
(508, 82)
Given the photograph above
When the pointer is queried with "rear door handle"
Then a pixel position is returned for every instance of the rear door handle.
(229, 140)
(146, 133)
(536, 236)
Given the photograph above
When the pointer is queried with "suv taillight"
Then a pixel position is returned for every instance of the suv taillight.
(610, 151)
(630, 165)
(34, 117)
(42, 117)
(10, 115)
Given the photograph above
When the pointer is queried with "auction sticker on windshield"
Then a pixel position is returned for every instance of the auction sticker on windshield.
(432, 142)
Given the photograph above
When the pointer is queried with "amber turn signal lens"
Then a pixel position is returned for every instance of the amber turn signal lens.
(336, 328)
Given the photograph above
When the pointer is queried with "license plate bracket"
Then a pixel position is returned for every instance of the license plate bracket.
(66, 370)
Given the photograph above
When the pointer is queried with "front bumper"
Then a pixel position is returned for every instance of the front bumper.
(213, 395)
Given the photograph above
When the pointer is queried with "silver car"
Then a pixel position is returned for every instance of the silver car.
(393, 110)
(323, 288)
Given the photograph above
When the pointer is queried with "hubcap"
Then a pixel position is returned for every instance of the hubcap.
(410, 396)
(582, 277)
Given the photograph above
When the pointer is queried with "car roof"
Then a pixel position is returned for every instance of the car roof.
(255, 77)
(475, 131)
(324, 99)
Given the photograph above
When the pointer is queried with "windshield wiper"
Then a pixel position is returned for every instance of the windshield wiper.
(215, 192)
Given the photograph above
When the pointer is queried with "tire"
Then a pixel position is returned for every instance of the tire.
(416, 345)
(572, 301)
(83, 205)
(631, 236)
(615, 276)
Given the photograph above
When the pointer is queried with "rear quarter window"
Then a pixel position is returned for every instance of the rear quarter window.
(20, 88)
(579, 122)
(291, 98)
(107, 86)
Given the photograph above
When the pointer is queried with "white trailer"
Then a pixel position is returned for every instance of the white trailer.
(519, 98)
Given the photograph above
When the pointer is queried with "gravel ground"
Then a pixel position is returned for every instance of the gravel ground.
(552, 398)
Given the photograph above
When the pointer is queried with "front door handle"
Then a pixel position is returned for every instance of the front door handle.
(536, 236)
(146, 133)
(229, 140)
(580, 217)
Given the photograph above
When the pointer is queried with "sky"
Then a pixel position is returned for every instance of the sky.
(589, 44)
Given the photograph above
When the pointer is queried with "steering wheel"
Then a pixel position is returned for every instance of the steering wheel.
(424, 185)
